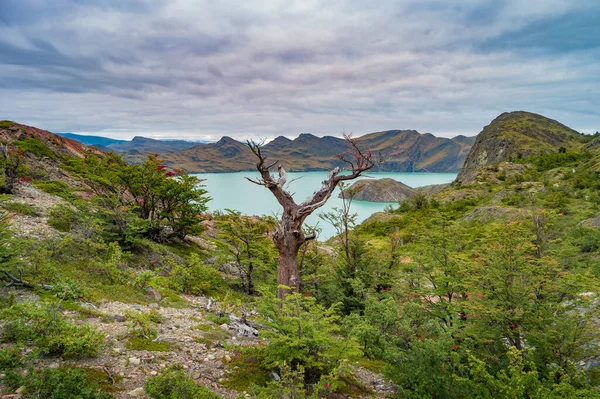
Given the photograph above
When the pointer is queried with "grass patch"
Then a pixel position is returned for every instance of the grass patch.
(20, 209)
(104, 381)
(211, 335)
(218, 319)
(245, 370)
(6, 124)
(375, 366)
(203, 327)
(144, 344)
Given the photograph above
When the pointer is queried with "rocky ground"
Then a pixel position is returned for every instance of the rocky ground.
(198, 344)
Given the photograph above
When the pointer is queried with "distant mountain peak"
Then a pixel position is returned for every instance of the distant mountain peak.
(227, 140)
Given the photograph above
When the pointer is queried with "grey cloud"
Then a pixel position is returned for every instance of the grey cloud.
(183, 67)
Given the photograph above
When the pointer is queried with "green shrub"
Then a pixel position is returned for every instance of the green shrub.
(20, 208)
(174, 383)
(11, 361)
(57, 188)
(45, 327)
(6, 124)
(195, 278)
(304, 334)
(36, 147)
(68, 289)
(63, 218)
(141, 325)
(63, 383)
(218, 319)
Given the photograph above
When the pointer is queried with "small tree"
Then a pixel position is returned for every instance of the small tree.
(288, 236)
(244, 240)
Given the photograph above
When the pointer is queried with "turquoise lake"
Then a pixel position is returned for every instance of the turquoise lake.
(233, 191)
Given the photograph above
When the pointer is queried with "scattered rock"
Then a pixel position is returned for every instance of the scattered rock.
(137, 393)
(153, 294)
(20, 390)
(227, 359)
(135, 361)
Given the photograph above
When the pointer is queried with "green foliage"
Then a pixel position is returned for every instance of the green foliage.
(554, 160)
(145, 344)
(64, 383)
(6, 124)
(20, 208)
(218, 319)
(142, 324)
(46, 328)
(68, 289)
(305, 335)
(56, 187)
(63, 218)
(195, 278)
(243, 240)
(174, 383)
(36, 147)
(426, 370)
(145, 199)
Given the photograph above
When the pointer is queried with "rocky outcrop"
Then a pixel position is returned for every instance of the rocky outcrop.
(381, 190)
(516, 135)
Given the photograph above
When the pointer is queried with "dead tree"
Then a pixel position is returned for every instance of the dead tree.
(288, 236)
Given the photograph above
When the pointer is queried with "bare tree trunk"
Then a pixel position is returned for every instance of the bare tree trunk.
(288, 236)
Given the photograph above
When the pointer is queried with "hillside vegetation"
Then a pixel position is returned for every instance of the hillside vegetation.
(120, 285)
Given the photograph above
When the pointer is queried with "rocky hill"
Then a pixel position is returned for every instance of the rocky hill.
(398, 150)
(380, 190)
(515, 135)
(42, 140)
(43, 152)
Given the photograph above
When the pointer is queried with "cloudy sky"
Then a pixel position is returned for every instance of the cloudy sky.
(203, 69)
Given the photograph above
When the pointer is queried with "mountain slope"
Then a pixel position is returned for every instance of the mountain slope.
(42, 154)
(399, 150)
(516, 135)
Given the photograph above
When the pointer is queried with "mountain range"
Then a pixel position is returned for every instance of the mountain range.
(133, 150)
(394, 151)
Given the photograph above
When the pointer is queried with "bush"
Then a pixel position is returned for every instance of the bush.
(305, 335)
(174, 383)
(19, 208)
(63, 383)
(63, 218)
(55, 187)
(141, 325)
(36, 147)
(195, 278)
(46, 328)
